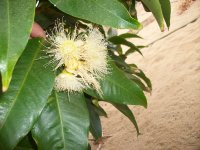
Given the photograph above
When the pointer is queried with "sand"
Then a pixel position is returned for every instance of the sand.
(172, 119)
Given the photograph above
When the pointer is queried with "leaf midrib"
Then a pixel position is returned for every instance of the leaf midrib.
(61, 121)
(22, 85)
(8, 39)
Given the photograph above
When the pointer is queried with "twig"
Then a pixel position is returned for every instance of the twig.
(100, 142)
(103, 138)
(99, 146)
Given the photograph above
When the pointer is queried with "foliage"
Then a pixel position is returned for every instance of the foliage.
(35, 116)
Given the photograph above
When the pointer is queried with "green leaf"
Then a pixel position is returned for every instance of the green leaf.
(145, 7)
(132, 50)
(100, 111)
(133, 72)
(120, 40)
(145, 79)
(155, 7)
(16, 21)
(128, 113)
(117, 88)
(27, 143)
(48, 14)
(95, 122)
(120, 62)
(166, 10)
(138, 81)
(105, 12)
(129, 51)
(129, 35)
(138, 72)
(23, 148)
(63, 124)
(21, 105)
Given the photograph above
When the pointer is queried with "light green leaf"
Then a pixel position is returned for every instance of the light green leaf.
(104, 12)
(63, 124)
(16, 20)
(27, 95)
(155, 7)
(117, 88)
(166, 10)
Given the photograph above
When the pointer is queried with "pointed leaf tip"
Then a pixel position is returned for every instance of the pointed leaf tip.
(14, 34)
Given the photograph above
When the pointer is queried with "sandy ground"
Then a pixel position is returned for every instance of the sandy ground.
(172, 119)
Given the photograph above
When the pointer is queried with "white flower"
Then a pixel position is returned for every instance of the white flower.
(84, 58)
(68, 81)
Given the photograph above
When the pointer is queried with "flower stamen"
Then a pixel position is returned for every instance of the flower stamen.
(84, 61)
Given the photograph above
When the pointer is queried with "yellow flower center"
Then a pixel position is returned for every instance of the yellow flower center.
(68, 46)
(72, 64)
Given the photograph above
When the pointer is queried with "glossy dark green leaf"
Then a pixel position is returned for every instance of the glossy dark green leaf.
(133, 73)
(27, 143)
(145, 78)
(95, 122)
(121, 40)
(138, 72)
(63, 124)
(166, 10)
(120, 63)
(100, 111)
(116, 87)
(16, 18)
(105, 12)
(139, 82)
(155, 7)
(47, 14)
(23, 148)
(21, 105)
(128, 113)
